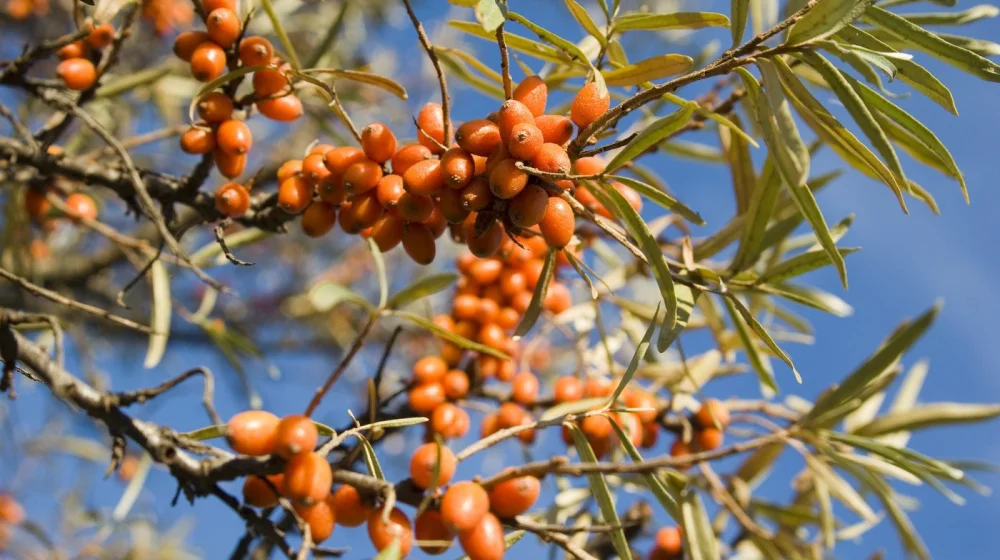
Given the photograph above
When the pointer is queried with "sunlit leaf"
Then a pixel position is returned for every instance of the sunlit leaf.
(699, 538)
(759, 362)
(929, 415)
(637, 358)
(515, 42)
(382, 82)
(421, 288)
(676, 20)
(159, 280)
(659, 490)
(601, 492)
(649, 136)
(648, 70)
(762, 334)
(824, 19)
(491, 14)
(586, 22)
(801, 264)
(971, 15)
(534, 309)
(279, 30)
(739, 9)
(659, 197)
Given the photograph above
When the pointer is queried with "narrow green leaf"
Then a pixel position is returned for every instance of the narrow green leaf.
(396, 423)
(650, 135)
(279, 30)
(601, 492)
(648, 70)
(826, 520)
(929, 415)
(586, 22)
(839, 487)
(383, 281)
(786, 129)
(760, 364)
(699, 538)
(763, 198)
(637, 358)
(573, 407)
(931, 44)
(491, 14)
(659, 490)
(710, 115)
(374, 468)
(801, 264)
(757, 466)
(421, 288)
(515, 42)
(537, 297)
(382, 82)
(981, 47)
(761, 333)
(617, 54)
(824, 19)
(971, 15)
(686, 298)
(551, 38)
(458, 67)
(739, 9)
(806, 203)
(663, 199)
(677, 20)
(473, 61)
(462, 342)
(159, 280)
(736, 152)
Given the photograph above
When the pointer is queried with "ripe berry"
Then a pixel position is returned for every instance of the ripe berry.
(407, 156)
(232, 200)
(187, 42)
(269, 81)
(431, 123)
(457, 167)
(556, 129)
(77, 73)
(599, 387)
(591, 165)
(430, 527)
(36, 204)
(295, 434)
(680, 449)
(450, 421)
(429, 369)
(252, 432)
(418, 242)
(389, 190)
(630, 195)
(387, 232)
(525, 141)
(424, 178)
(378, 142)
(314, 169)
(450, 206)
(215, 107)
(596, 427)
(11, 511)
(414, 208)
(650, 434)
(557, 223)
(256, 51)
(424, 398)
(230, 166)
(511, 414)
(308, 479)
(668, 544)
(339, 159)
(289, 168)
(477, 195)
(490, 425)
(708, 439)
(589, 104)
(567, 389)
(508, 318)
(557, 299)
(348, 507)
(101, 36)
(488, 242)
(456, 384)
(637, 398)
(362, 176)
(511, 114)
(527, 208)
(212, 5)
(533, 93)
(478, 137)
(81, 206)
(282, 109)
(711, 411)
(208, 62)
(76, 49)
(318, 219)
(506, 180)
(524, 389)
(515, 496)
(234, 137)
(552, 159)
(223, 26)
(382, 534)
(423, 462)
(485, 541)
(294, 194)
(464, 505)
(258, 493)
(320, 518)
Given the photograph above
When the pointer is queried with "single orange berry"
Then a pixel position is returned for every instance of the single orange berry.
(81, 206)
(650, 434)
(294, 194)
(490, 425)
(669, 543)
(637, 398)
(425, 459)
(77, 73)
(229, 165)
(524, 388)
(383, 534)
(295, 434)
(36, 204)
(431, 123)
(197, 141)
(418, 242)
(234, 137)
(320, 518)
(464, 505)
(525, 141)
(712, 411)
(415, 208)
(362, 176)
(101, 36)
(424, 398)
(450, 206)
(187, 42)
(477, 195)
(556, 129)
(283, 109)
(314, 169)
(76, 49)
(215, 107)
(589, 104)
(515, 496)
(212, 5)
(429, 369)
(487, 243)
(458, 168)
(551, 158)
(599, 387)
(252, 432)
(511, 114)
(506, 180)
(485, 541)
(708, 439)
(11, 511)
(533, 93)
(223, 26)
(409, 155)
(456, 384)
(528, 207)
(208, 62)
(232, 200)
(258, 493)
(557, 299)
(348, 507)
(378, 142)
(339, 159)
(450, 421)
(389, 190)
(256, 51)
(567, 389)
(478, 136)
(308, 479)
(387, 232)
(591, 165)
(680, 449)
(318, 219)
(269, 81)
(429, 526)
(508, 318)
(557, 223)
(511, 414)
(424, 178)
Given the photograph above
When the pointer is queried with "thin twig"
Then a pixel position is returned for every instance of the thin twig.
(504, 63)
(220, 237)
(359, 341)
(445, 98)
(143, 395)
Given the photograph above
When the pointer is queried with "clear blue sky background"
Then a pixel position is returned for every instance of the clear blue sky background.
(907, 262)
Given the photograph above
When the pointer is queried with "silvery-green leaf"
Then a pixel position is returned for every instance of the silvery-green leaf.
(491, 14)
(650, 135)
(421, 288)
(824, 19)
(537, 297)
(159, 280)
(648, 70)
(699, 538)
(739, 9)
(801, 264)
(279, 30)
(928, 415)
(971, 15)
(515, 42)
(656, 486)
(676, 20)
(586, 22)
(758, 361)
(601, 492)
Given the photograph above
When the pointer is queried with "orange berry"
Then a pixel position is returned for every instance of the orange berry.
(339, 159)
(490, 425)
(256, 51)
(567, 389)
(450, 206)
(414, 208)
(430, 527)
(308, 479)
(506, 180)
(81, 206)
(252, 432)
(557, 299)
(11, 511)
(424, 398)
(457, 167)
(101, 36)
(591, 165)
(451, 353)
(532, 269)
(436, 223)
(465, 306)
(212, 5)
(378, 142)
(669, 543)
(36, 204)
(389, 190)
(456, 384)
(282, 109)
(431, 123)
(407, 156)
(429, 369)
(515, 496)
(637, 398)
(215, 107)
(650, 434)
(524, 388)
(424, 178)
(533, 93)
(314, 169)
(708, 439)
(294, 194)
(418, 242)
(596, 427)
(424, 461)
(77, 73)
(232, 200)
(318, 219)
(511, 414)
(76, 49)
(551, 158)
(488, 242)
(187, 42)
(449, 421)
(599, 387)
(295, 434)
(366, 209)
(234, 137)
(464, 505)
(362, 176)
(485, 271)
(525, 141)
(223, 26)
(484, 541)
(556, 129)
(634, 199)
(320, 518)
(521, 301)
(680, 449)
(511, 114)
(477, 195)
(528, 208)
(320, 149)
(288, 169)
(508, 318)
(631, 425)
(258, 493)
(558, 223)
(269, 81)
(383, 534)
(348, 507)
(208, 62)
(387, 231)
(712, 411)
(589, 104)
(498, 154)
(478, 136)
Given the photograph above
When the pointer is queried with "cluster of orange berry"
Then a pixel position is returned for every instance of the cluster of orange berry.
(166, 15)
(709, 423)
(11, 513)
(77, 70)
(37, 206)
(23, 9)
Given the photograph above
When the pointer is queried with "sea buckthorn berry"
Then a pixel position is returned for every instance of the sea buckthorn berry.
(36, 204)
(515, 496)
(506, 180)
(424, 178)
(524, 388)
(450, 205)
(430, 121)
(234, 137)
(389, 190)
(680, 449)
(208, 62)
(557, 299)
(11, 511)
(212, 5)
(320, 518)
(76, 49)
(596, 427)
(339, 159)
(465, 306)
(348, 507)
(318, 219)
(589, 104)
(418, 242)
(288, 169)
(532, 269)
(477, 195)
(468, 328)
(258, 493)
(669, 543)
(533, 93)
(511, 414)
(407, 156)
(256, 51)
(187, 42)
(423, 462)
(415, 208)
(521, 301)
(456, 384)
(708, 439)
(556, 129)
(485, 541)
(449, 421)
(525, 141)
(382, 534)
(478, 137)
(511, 114)
(223, 26)
(429, 368)
(77, 73)
(464, 505)
(320, 149)
(378, 142)
(294, 194)
(308, 478)
(101, 36)
(424, 398)
(512, 281)
(282, 109)
(314, 169)
(452, 353)
(295, 434)
(591, 165)
(268, 82)
(252, 432)
(457, 167)
(430, 527)
(498, 154)
(712, 411)
(490, 425)
(81, 206)
(551, 158)
(215, 107)
(637, 398)
(557, 223)
(630, 195)
(436, 223)
(508, 318)
(631, 425)
(599, 387)
(567, 389)
(528, 208)
(445, 322)
(486, 271)
(366, 209)
(650, 434)
(387, 232)
(487, 366)
(362, 176)
(232, 200)
(487, 243)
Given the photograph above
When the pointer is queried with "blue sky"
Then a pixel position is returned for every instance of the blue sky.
(907, 262)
